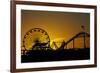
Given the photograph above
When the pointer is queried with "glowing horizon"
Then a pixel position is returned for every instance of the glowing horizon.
(59, 25)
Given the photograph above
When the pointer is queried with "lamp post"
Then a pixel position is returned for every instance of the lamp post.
(83, 28)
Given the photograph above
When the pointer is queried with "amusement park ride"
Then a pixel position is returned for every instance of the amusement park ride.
(38, 39)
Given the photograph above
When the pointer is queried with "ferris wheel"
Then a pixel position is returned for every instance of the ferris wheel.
(36, 38)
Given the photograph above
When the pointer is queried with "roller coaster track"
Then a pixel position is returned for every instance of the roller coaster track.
(80, 34)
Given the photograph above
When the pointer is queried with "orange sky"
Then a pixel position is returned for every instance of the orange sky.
(58, 25)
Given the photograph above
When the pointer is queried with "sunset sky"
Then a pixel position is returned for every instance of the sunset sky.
(58, 25)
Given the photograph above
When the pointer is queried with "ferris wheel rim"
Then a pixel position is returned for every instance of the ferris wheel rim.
(31, 31)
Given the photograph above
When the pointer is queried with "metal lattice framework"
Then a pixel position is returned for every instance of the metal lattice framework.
(83, 35)
(64, 44)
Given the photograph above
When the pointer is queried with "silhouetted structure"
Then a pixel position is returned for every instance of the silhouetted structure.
(39, 53)
(83, 35)
(79, 35)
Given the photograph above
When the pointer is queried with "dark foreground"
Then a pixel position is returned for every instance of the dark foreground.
(55, 55)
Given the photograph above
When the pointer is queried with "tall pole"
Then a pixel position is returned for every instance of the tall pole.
(83, 28)
(84, 40)
(73, 44)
